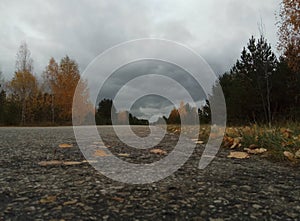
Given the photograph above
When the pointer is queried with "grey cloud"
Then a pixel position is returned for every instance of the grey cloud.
(140, 68)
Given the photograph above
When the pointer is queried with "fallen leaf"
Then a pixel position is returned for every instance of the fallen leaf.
(289, 155)
(65, 145)
(158, 151)
(70, 163)
(297, 154)
(58, 162)
(100, 153)
(238, 155)
(50, 163)
(255, 151)
(48, 199)
(89, 161)
(71, 202)
(80, 204)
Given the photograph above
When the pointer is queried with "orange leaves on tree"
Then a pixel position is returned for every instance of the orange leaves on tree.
(289, 39)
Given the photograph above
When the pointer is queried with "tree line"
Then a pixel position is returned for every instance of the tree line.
(107, 115)
(27, 100)
(261, 88)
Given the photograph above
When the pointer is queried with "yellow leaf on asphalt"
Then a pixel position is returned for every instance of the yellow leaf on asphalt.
(238, 155)
(48, 199)
(50, 163)
(70, 163)
(71, 202)
(158, 151)
(59, 162)
(89, 161)
(100, 153)
(65, 145)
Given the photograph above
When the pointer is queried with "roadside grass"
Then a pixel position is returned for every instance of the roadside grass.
(280, 143)
(275, 140)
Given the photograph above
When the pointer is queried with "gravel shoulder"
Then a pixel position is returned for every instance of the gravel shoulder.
(228, 189)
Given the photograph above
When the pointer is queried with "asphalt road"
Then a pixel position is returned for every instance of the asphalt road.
(228, 189)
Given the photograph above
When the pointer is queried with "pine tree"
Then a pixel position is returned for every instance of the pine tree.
(247, 87)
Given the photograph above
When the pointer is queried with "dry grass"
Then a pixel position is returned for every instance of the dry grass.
(275, 140)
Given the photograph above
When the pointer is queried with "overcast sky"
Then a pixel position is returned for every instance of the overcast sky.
(216, 29)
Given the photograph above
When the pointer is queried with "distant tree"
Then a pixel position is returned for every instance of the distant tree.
(182, 110)
(42, 108)
(82, 106)
(64, 87)
(136, 121)
(289, 29)
(188, 114)
(24, 62)
(50, 77)
(1, 81)
(192, 114)
(123, 117)
(12, 114)
(2, 99)
(104, 111)
(204, 113)
(174, 117)
(60, 82)
(24, 84)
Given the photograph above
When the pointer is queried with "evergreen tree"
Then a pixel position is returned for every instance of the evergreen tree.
(247, 87)
(104, 111)
(2, 99)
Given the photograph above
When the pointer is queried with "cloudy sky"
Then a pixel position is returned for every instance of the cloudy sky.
(216, 29)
